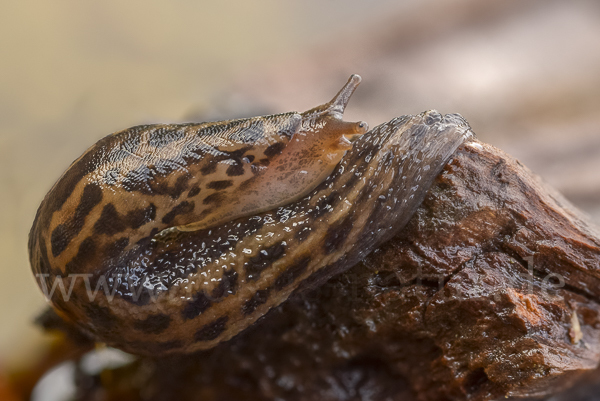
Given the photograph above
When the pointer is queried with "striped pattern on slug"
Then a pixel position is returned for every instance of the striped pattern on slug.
(182, 291)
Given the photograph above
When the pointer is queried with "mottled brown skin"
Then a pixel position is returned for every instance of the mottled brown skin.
(140, 181)
(171, 290)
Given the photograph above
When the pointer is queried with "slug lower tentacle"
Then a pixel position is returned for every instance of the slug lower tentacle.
(180, 291)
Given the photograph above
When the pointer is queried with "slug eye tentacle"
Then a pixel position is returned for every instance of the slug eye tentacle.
(360, 128)
(336, 106)
(340, 101)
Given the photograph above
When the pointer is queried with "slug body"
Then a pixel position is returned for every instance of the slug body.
(173, 238)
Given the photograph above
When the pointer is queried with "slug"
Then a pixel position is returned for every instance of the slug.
(166, 239)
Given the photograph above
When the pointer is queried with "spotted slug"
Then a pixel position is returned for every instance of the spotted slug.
(168, 239)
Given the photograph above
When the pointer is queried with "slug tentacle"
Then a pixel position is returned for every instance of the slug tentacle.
(327, 121)
(338, 104)
(142, 285)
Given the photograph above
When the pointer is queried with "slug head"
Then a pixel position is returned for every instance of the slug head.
(323, 125)
(310, 156)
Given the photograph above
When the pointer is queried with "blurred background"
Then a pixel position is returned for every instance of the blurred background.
(524, 73)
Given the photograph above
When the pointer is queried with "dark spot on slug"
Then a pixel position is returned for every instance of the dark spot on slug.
(264, 162)
(213, 198)
(109, 222)
(235, 169)
(249, 158)
(337, 234)
(117, 247)
(263, 259)
(195, 190)
(246, 183)
(153, 324)
(138, 217)
(209, 168)
(156, 179)
(59, 239)
(290, 274)
(182, 208)
(274, 149)
(100, 315)
(227, 285)
(91, 196)
(238, 154)
(259, 298)
(212, 330)
(196, 306)
(86, 252)
(61, 236)
(219, 185)
(180, 186)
